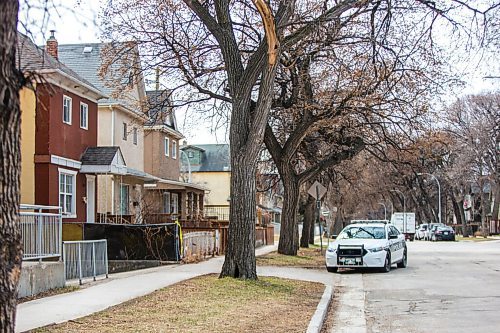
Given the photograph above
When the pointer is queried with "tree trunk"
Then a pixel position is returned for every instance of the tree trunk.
(312, 225)
(458, 215)
(240, 252)
(246, 135)
(485, 207)
(289, 235)
(10, 236)
(305, 239)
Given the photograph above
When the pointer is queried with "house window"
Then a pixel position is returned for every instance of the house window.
(124, 131)
(167, 146)
(175, 204)
(67, 110)
(174, 149)
(67, 192)
(84, 115)
(135, 135)
(190, 154)
(124, 199)
(166, 202)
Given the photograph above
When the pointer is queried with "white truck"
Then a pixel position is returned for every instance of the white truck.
(405, 224)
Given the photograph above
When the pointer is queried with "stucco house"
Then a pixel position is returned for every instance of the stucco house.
(121, 118)
(167, 198)
(59, 122)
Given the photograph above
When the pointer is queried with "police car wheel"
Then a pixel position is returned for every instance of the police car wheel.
(404, 261)
(387, 265)
(332, 269)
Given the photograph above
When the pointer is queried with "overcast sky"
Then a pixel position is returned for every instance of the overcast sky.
(78, 22)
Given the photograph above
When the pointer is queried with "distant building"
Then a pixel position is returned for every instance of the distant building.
(210, 167)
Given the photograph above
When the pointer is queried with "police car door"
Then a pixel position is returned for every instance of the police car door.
(397, 244)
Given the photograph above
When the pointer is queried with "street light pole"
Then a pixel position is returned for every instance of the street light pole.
(385, 210)
(404, 207)
(439, 191)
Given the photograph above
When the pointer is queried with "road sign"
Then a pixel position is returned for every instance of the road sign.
(317, 190)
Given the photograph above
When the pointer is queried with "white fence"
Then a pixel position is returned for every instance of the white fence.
(41, 231)
(200, 244)
(83, 259)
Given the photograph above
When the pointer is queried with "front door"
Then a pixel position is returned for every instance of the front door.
(91, 199)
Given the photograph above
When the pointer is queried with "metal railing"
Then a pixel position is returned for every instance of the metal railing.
(219, 212)
(41, 231)
(200, 244)
(83, 259)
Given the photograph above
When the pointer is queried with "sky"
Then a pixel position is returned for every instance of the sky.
(77, 21)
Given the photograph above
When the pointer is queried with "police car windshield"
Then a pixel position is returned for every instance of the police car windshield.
(365, 232)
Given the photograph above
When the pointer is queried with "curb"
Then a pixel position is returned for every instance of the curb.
(318, 318)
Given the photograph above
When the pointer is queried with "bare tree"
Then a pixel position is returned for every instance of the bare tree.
(474, 126)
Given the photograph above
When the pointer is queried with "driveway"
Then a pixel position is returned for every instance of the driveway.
(447, 287)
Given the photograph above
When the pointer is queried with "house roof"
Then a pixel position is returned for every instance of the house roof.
(214, 158)
(87, 60)
(31, 58)
(161, 113)
(159, 109)
(99, 155)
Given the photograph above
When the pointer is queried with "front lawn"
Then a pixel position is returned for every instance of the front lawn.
(209, 304)
(306, 258)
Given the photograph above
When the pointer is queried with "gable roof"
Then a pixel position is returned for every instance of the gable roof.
(214, 158)
(31, 58)
(87, 60)
(100, 155)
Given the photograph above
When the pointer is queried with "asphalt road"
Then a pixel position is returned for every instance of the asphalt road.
(447, 287)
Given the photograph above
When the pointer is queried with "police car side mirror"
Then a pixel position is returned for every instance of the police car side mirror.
(393, 236)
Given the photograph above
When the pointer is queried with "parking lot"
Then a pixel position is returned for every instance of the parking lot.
(447, 287)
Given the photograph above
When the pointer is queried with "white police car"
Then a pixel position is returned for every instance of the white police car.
(367, 243)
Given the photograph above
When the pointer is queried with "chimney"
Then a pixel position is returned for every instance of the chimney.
(51, 46)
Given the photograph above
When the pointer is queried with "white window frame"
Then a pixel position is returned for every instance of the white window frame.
(70, 107)
(121, 210)
(190, 154)
(174, 203)
(84, 107)
(167, 146)
(124, 130)
(174, 149)
(134, 135)
(166, 203)
(72, 173)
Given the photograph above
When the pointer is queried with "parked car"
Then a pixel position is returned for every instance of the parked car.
(367, 244)
(433, 227)
(444, 233)
(422, 232)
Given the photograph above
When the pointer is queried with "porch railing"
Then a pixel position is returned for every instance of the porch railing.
(41, 231)
(217, 212)
(83, 259)
(200, 244)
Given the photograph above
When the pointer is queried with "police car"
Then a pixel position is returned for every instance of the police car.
(367, 243)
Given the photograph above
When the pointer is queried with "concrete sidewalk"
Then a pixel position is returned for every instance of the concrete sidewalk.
(117, 289)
